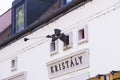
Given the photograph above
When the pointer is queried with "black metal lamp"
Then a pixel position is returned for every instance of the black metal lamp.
(57, 35)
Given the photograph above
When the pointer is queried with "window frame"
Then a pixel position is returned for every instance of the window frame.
(56, 48)
(65, 47)
(85, 39)
(22, 3)
(13, 68)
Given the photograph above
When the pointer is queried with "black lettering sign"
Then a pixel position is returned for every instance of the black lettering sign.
(63, 65)
(52, 71)
(59, 67)
(76, 62)
(80, 59)
(56, 68)
(67, 64)
(72, 62)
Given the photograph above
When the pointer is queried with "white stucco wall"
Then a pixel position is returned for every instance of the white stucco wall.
(104, 43)
(102, 19)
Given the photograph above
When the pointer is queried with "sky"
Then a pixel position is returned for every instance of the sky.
(5, 5)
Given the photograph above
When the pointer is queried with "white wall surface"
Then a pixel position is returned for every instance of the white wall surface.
(104, 43)
(102, 18)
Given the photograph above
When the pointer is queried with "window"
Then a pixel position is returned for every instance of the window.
(54, 47)
(69, 41)
(66, 1)
(82, 34)
(14, 64)
(19, 18)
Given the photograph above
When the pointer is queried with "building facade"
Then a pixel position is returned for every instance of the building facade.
(92, 49)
